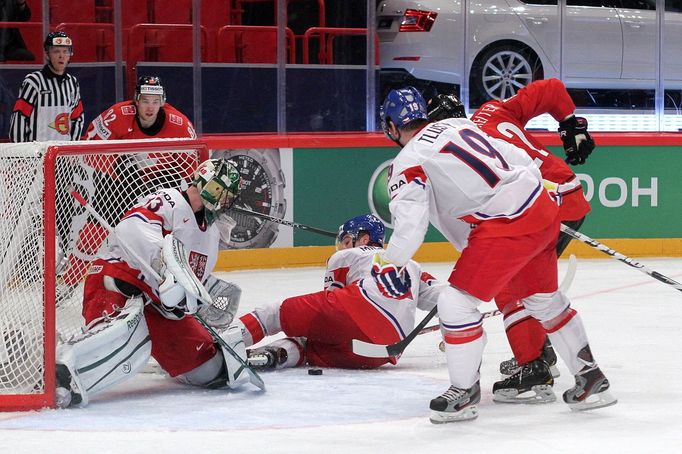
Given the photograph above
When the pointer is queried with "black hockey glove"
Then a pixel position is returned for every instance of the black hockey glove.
(578, 143)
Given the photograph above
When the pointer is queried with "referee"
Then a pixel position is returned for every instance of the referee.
(49, 106)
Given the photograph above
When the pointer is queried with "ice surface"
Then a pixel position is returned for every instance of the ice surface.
(633, 323)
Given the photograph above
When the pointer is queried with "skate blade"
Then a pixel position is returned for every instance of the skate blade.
(444, 417)
(599, 400)
(538, 394)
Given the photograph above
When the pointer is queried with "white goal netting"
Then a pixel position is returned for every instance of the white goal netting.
(47, 240)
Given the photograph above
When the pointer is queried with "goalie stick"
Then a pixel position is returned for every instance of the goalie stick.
(178, 249)
(620, 257)
(370, 350)
(293, 224)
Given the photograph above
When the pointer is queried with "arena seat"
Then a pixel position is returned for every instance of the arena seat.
(252, 44)
(67, 11)
(160, 43)
(91, 41)
(325, 37)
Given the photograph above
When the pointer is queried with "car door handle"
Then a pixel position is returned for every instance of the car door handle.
(537, 20)
(634, 23)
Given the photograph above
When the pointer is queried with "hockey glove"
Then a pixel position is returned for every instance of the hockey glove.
(175, 300)
(578, 143)
(392, 283)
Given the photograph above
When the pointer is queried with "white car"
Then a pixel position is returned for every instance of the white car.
(502, 45)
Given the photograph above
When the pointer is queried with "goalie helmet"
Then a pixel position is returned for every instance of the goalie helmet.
(58, 39)
(365, 223)
(219, 183)
(445, 106)
(402, 107)
(150, 85)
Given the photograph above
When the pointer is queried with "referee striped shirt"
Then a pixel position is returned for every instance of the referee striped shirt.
(49, 107)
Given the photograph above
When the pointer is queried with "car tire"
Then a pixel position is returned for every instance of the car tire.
(501, 70)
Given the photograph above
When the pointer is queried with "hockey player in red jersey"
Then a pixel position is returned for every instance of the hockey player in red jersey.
(321, 325)
(448, 172)
(506, 120)
(147, 116)
(130, 315)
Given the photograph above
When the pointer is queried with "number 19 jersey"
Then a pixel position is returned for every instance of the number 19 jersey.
(452, 171)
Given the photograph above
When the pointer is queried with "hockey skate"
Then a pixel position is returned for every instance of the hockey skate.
(531, 384)
(591, 390)
(68, 392)
(266, 358)
(510, 366)
(456, 404)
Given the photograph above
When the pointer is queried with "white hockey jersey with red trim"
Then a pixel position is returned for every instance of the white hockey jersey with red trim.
(353, 267)
(144, 226)
(452, 171)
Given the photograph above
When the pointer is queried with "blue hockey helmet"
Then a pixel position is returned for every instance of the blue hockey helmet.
(402, 107)
(367, 223)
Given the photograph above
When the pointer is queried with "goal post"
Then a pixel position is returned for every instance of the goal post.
(47, 241)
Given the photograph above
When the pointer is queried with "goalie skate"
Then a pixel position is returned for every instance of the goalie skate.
(68, 392)
(456, 404)
(531, 384)
(510, 366)
(266, 357)
(591, 391)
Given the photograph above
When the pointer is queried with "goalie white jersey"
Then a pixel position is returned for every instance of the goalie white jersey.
(144, 226)
(353, 267)
(449, 172)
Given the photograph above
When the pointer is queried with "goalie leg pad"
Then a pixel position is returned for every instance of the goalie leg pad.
(236, 373)
(109, 352)
(223, 369)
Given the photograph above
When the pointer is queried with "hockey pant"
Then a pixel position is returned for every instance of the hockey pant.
(322, 318)
(509, 269)
(525, 334)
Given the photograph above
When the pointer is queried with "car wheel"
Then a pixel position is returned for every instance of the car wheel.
(501, 71)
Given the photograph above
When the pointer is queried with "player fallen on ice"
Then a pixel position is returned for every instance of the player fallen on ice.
(130, 316)
(451, 171)
(320, 326)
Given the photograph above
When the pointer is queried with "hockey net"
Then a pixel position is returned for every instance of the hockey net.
(47, 242)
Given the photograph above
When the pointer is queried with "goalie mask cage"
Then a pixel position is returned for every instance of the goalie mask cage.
(47, 241)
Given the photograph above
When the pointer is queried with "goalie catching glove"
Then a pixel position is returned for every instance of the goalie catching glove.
(392, 282)
(578, 143)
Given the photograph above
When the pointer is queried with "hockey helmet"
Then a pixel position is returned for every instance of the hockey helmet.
(58, 39)
(365, 223)
(445, 106)
(219, 183)
(402, 107)
(150, 85)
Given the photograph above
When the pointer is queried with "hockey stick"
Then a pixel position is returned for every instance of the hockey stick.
(381, 351)
(254, 378)
(293, 224)
(370, 350)
(618, 256)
